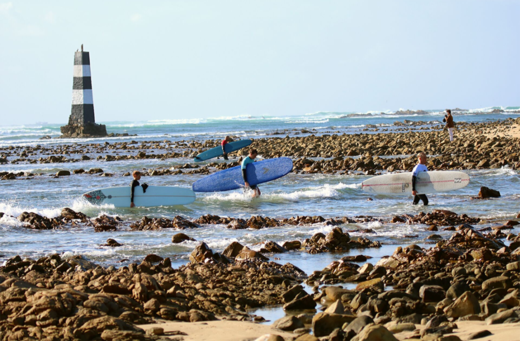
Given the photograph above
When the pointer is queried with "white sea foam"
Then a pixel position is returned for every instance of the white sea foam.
(325, 229)
(78, 205)
(374, 225)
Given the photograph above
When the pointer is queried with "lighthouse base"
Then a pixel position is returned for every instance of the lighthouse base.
(84, 130)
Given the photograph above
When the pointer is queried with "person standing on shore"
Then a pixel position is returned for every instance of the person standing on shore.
(223, 144)
(250, 159)
(448, 118)
(421, 167)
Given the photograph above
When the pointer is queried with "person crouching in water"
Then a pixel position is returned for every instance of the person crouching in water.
(250, 159)
(421, 167)
(223, 144)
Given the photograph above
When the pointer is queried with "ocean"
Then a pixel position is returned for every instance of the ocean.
(292, 195)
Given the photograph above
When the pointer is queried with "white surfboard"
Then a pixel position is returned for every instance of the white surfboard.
(154, 196)
(427, 182)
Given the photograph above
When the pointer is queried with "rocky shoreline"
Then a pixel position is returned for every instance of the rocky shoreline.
(369, 154)
(472, 276)
(470, 272)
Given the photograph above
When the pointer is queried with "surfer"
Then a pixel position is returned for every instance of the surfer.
(250, 159)
(135, 183)
(223, 144)
(421, 167)
(448, 118)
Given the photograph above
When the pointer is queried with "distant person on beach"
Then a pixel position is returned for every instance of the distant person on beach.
(135, 183)
(448, 118)
(223, 144)
(250, 159)
(421, 167)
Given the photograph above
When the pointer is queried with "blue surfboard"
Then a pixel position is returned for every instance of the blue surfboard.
(217, 151)
(257, 173)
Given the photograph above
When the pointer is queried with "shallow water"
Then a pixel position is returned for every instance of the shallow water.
(292, 195)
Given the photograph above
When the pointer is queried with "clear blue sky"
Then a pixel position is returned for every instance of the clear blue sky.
(196, 59)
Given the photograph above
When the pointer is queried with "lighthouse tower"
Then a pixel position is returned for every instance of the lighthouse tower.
(82, 121)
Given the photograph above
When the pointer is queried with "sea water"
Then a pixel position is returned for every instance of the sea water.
(292, 195)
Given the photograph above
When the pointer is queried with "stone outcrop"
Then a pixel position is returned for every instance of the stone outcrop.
(88, 129)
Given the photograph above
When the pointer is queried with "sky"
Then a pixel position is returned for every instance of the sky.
(177, 59)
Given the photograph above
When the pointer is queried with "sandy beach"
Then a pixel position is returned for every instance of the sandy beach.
(242, 331)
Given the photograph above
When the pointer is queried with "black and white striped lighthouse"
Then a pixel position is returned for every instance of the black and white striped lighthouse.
(82, 100)
(82, 121)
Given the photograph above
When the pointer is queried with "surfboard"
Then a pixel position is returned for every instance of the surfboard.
(217, 151)
(154, 196)
(427, 182)
(257, 173)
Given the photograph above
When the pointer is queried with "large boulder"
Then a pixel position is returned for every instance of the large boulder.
(181, 237)
(486, 192)
(496, 282)
(305, 302)
(432, 293)
(467, 304)
(324, 323)
(288, 323)
(374, 333)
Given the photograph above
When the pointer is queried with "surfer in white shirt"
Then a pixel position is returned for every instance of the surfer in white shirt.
(421, 167)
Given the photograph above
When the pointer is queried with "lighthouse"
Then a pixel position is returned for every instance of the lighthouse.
(82, 121)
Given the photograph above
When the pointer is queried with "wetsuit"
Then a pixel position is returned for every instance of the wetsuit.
(417, 169)
(135, 183)
(223, 144)
(245, 162)
(450, 125)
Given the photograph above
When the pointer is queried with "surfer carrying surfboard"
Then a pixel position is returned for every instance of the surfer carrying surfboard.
(223, 144)
(250, 159)
(135, 183)
(421, 167)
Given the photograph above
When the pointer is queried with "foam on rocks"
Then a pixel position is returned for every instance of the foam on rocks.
(82, 122)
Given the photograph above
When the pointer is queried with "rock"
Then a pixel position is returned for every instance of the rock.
(488, 193)
(394, 327)
(306, 337)
(514, 266)
(116, 335)
(201, 254)
(456, 290)
(366, 268)
(324, 323)
(63, 173)
(247, 253)
(432, 293)
(305, 302)
(152, 258)
(233, 249)
(272, 247)
(480, 334)
(511, 299)
(95, 327)
(357, 325)
(112, 243)
(295, 291)
(482, 254)
(292, 245)
(376, 283)
(502, 316)
(374, 333)
(467, 304)
(288, 323)
(334, 293)
(335, 308)
(496, 282)
(181, 237)
(155, 331)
